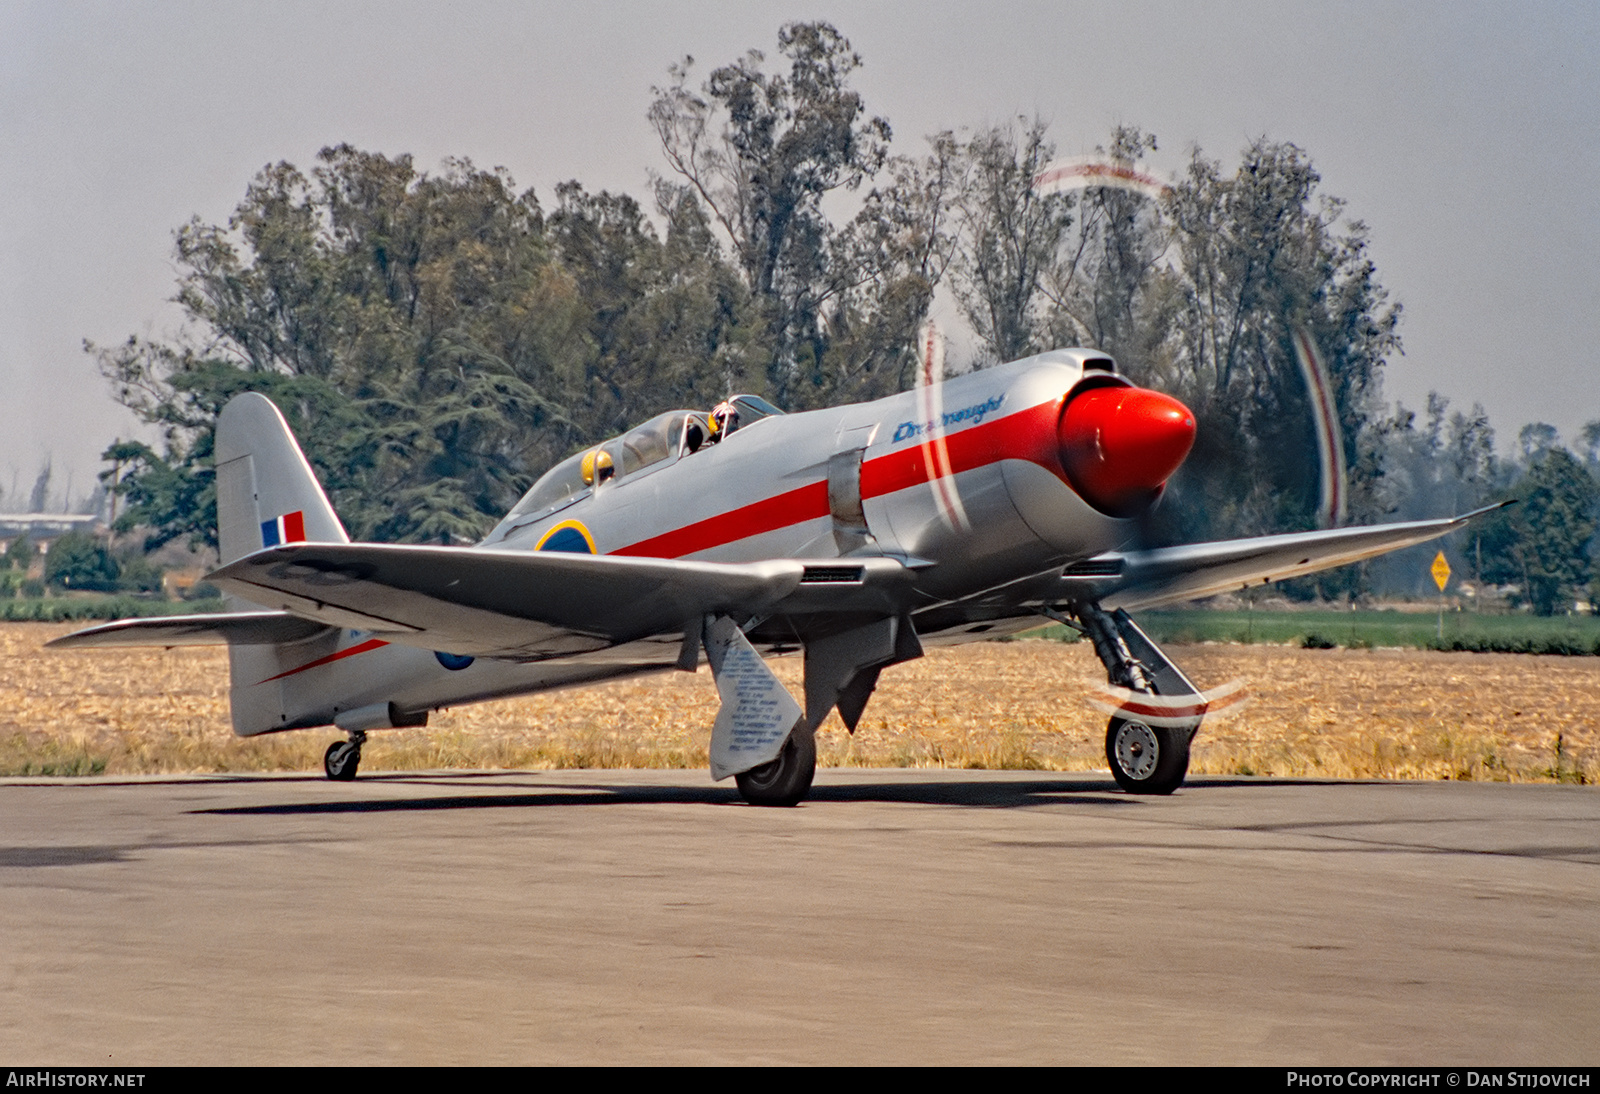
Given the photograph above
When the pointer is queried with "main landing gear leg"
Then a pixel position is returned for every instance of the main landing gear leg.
(761, 736)
(344, 757)
(1144, 758)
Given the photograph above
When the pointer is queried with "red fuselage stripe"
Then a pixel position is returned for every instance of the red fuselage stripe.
(369, 644)
(1027, 435)
(803, 503)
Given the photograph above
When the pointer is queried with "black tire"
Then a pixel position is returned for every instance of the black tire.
(786, 780)
(341, 761)
(1147, 759)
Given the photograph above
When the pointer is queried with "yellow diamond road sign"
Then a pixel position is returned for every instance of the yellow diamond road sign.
(1441, 572)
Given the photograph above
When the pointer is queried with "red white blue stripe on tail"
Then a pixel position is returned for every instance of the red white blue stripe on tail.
(289, 528)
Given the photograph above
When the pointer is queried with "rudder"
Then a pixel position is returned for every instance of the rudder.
(267, 494)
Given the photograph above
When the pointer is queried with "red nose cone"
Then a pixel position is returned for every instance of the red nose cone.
(1119, 445)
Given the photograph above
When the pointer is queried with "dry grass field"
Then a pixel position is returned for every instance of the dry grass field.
(1344, 713)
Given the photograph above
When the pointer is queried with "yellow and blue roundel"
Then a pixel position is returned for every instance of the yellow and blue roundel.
(569, 536)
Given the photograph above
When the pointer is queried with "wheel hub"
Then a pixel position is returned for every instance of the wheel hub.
(766, 776)
(1137, 750)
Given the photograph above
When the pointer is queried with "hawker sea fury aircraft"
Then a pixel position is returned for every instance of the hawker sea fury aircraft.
(859, 535)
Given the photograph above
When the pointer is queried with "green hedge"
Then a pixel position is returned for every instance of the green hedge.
(61, 609)
(1569, 645)
(1327, 629)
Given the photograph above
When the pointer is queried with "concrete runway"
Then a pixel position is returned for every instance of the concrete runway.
(896, 917)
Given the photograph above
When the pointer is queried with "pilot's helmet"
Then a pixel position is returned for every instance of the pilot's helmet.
(724, 420)
(596, 464)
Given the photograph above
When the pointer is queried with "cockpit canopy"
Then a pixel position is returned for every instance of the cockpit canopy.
(659, 441)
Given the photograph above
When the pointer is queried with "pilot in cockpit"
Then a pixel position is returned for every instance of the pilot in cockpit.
(724, 420)
(597, 467)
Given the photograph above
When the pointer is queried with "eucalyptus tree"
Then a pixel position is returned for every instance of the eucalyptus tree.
(1542, 543)
(1108, 287)
(1257, 255)
(763, 151)
(1011, 239)
(416, 329)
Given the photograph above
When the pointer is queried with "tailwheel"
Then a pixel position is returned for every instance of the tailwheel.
(341, 760)
(1147, 759)
(786, 780)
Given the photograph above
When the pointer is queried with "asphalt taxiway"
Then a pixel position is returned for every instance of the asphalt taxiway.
(895, 917)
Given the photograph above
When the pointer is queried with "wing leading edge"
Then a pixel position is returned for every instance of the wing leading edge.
(1142, 579)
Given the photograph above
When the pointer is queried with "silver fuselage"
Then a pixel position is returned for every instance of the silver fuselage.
(962, 481)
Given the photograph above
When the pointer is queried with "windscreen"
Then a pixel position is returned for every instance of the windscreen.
(556, 485)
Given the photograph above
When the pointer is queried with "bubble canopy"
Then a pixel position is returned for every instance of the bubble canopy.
(657, 442)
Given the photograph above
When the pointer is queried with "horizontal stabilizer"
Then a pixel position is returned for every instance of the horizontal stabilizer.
(1141, 579)
(541, 604)
(221, 628)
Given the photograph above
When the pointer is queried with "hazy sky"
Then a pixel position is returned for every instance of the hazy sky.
(1466, 135)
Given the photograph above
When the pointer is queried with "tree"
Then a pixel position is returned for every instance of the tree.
(668, 323)
(436, 341)
(886, 265)
(1259, 255)
(1108, 289)
(1469, 447)
(414, 328)
(1011, 237)
(762, 151)
(1542, 543)
(39, 497)
(1591, 445)
(80, 561)
(20, 554)
(1446, 467)
(1201, 294)
(1535, 439)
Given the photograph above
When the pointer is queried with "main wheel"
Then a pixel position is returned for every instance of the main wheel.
(341, 760)
(1147, 759)
(787, 779)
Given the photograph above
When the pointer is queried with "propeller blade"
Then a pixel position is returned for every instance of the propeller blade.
(1325, 420)
(1083, 172)
(930, 404)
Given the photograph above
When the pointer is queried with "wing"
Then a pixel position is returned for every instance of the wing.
(1140, 579)
(232, 628)
(535, 605)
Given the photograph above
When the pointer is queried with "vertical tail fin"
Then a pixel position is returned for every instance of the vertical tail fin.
(266, 491)
(267, 494)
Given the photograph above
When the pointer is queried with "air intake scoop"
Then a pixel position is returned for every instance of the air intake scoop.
(1119, 445)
